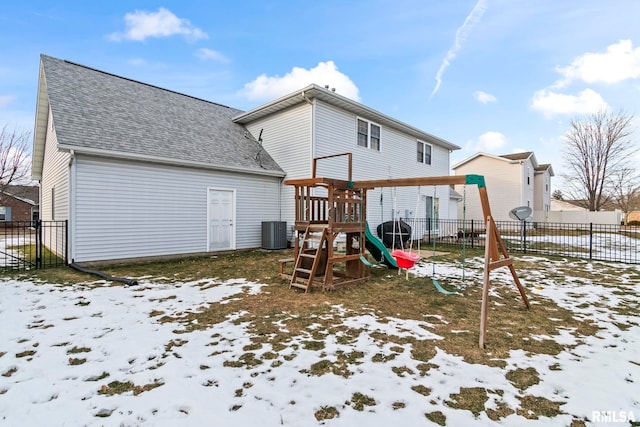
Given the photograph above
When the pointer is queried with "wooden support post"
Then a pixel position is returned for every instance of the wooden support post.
(484, 311)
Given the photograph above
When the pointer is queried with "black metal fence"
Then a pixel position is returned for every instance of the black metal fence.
(604, 242)
(26, 245)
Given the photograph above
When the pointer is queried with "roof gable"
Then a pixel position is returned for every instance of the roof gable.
(314, 91)
(508, 158)
(102, 113)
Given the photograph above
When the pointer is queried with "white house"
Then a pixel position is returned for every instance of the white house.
(512, 180)
(140, 171)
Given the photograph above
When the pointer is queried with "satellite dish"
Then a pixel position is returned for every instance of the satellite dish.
(520, 213)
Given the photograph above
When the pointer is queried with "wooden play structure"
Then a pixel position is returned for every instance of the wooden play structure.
(327, 207)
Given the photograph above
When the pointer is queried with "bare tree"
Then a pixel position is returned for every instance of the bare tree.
(557, 195)
(627, 191)
(14, 158)
(597, 148)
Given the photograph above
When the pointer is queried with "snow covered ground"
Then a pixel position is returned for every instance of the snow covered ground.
(60, 346)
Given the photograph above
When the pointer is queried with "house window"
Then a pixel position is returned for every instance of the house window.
(368, 135)
(5, 213)
(424, 153)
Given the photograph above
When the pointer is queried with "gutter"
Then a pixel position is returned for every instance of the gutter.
(170, 162)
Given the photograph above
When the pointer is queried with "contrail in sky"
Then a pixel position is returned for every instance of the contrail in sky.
(461, 35)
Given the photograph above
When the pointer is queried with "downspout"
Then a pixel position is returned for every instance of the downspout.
(280, 184)
(72, 205)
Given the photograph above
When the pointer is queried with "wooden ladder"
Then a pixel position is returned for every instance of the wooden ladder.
(297, 280)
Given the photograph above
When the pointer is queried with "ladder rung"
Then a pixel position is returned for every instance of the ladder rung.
(308, 255)
(303, 270)
(299, 285)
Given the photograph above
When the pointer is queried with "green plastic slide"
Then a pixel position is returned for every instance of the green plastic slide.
(377, 249)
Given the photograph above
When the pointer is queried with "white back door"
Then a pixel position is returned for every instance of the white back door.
(221, 220)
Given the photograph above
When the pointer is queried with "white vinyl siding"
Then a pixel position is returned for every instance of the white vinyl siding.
(55, 179)
(129, 210)
(287, 136)
(54, 188)
(334, 134)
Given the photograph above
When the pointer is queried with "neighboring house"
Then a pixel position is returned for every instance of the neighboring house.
(141, 171)
(512, 180)
(19, 203)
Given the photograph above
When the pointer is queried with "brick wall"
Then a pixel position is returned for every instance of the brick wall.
(20, 211)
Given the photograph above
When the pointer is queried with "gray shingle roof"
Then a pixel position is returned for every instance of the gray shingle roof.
(95, 110)
(518, 156)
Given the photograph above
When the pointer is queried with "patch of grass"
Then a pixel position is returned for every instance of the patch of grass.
(313, 345)
(437, 417)
(420, 389)
(360, 401)
(471, 398)
(398, 405)
(117, 387)
(501, 411)
(102, 376)
(383, 358)
(247, 360)
(174, 343)
(10, 372)
(523, 378)
(401, 371)
(326, 413)
(533, 407)
(26, 353)
(74, 361)
(75, 350)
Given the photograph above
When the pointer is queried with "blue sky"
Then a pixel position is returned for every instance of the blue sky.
(497, 76)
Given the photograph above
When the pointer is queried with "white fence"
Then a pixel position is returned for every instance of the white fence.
(586, 217)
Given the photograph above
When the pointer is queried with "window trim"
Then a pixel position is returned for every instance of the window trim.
(369, 136)
(424, 145)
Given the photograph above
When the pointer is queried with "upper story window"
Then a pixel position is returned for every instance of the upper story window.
(368, 135)
(424, 153)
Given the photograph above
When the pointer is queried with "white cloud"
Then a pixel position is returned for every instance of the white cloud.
(461, 36)
(488, 142)
(210, 54)
(620, 62)
(551, 103)
(484, 97)
(6, 100)
(325, 73)
(163, 23)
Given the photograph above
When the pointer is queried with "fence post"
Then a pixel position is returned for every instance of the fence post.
(429, 229)
(66, 242)
(38, 244)
(472, 239)
(590, 240)
(524, 236)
